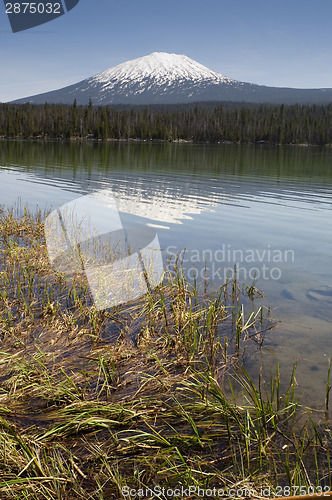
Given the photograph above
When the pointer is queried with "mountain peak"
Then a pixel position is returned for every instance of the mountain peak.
(162, 78)
(161, 67)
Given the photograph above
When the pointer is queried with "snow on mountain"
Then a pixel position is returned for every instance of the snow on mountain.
(162, 67)
(152, 79)
(162, 78)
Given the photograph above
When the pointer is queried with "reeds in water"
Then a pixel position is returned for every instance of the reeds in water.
(149, 396)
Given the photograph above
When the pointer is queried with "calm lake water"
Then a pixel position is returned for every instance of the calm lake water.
(267, 210)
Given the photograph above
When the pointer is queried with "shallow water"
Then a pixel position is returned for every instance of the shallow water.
(265, 209)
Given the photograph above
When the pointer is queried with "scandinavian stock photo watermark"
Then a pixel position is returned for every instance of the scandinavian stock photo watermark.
(227, 262)
(186, 492)
(193, 491)
(123, 263)
(24, 15)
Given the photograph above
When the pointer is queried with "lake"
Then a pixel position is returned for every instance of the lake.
(265, 209)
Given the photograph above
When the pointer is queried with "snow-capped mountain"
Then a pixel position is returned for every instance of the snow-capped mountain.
(160, 67)
(162, 78)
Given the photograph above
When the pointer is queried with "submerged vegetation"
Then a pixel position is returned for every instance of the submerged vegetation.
(145, 397)
(221, 122)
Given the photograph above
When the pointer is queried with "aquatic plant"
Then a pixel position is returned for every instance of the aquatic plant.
(148, 395)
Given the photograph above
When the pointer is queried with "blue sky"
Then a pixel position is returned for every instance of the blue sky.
(277, 43)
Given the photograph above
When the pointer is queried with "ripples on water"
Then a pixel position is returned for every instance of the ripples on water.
(213, 198)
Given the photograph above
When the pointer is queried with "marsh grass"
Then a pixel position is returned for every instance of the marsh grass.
(154, 393)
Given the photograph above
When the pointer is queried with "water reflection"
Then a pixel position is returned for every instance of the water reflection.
(202, 197)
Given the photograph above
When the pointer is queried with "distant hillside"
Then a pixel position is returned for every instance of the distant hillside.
(162, 78)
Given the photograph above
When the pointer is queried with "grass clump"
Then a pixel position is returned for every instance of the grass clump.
(151, 396)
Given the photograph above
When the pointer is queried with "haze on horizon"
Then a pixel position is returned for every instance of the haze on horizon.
(283, 45)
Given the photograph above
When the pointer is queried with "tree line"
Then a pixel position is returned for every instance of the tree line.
(291, 124)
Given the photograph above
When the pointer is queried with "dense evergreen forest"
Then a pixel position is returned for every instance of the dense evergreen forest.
(294, 124)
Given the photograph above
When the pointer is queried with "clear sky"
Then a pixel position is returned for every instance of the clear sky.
(276, 43)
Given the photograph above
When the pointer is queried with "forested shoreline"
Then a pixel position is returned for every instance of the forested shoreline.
(222, 122)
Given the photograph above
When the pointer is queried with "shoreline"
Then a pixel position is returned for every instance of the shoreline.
(154, 141)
